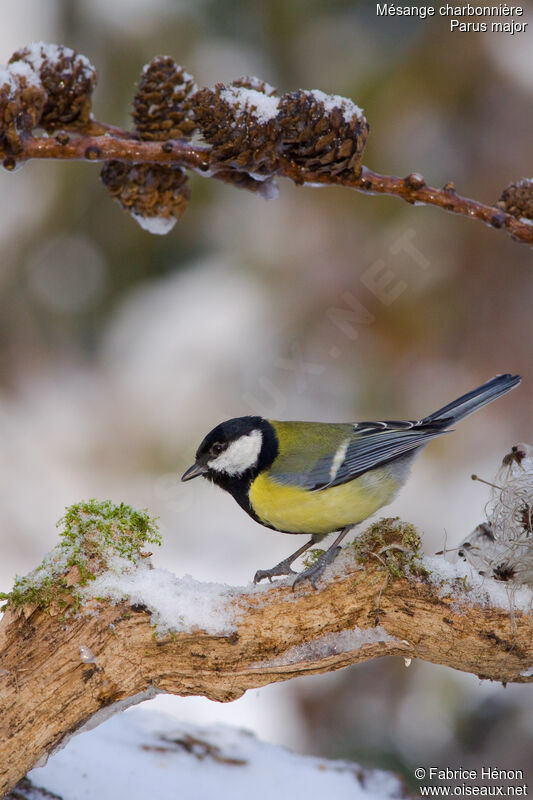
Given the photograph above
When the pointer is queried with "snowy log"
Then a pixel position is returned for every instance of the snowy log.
(97, 628)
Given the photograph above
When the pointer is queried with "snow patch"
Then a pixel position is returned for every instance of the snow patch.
(330, 644)
(158, 225)
(176, 604)
(11, 76)
(6, 78)
(98, 718)
(259, 85)
(40, 52)
(144, 754)
(331, 101)
(527, 673)
(459, 580)
(261, 106)
(23, 70)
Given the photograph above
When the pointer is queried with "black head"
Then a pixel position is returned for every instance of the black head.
(235, 450)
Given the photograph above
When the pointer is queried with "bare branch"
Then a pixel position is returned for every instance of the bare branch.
(110, 147)
(251, 136)
(121, 146)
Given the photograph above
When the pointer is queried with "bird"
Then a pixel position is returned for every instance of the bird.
(315, 478)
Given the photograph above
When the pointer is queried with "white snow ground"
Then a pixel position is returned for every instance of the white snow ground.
(140, 754)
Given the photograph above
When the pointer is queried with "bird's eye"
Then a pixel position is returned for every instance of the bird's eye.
(217, 448)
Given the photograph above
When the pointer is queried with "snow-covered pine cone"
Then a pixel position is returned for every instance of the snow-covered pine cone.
(240, 124)
(68, 79)
(161, 106)
(22, 100)
(148, 191)
(323, 133)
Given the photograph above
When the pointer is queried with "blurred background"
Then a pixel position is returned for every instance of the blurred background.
(119, 350)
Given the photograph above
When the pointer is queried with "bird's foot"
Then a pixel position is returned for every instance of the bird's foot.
(283, 568)
(314, 572)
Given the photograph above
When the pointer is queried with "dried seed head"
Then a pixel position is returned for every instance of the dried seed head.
(22, 100)
(504, 572)
(161, 106)
(323, 133)
(156, 196)
(240, 124)
(517, 199)
(503, 547)
(525, 517)
(515, 456)
(68, 79)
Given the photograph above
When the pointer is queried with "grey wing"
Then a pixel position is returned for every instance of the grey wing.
(369, 445)
(374, 444)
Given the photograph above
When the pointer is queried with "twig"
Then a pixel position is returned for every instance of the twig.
(101, 142)
(178, 152)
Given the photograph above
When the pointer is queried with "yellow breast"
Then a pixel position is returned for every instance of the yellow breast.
(295, 510)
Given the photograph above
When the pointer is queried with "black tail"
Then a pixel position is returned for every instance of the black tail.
(475, 399)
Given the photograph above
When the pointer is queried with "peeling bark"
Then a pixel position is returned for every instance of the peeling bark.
(47, 692)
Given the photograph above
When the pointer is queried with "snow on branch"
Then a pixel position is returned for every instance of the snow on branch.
(97, 627)
(242, 133)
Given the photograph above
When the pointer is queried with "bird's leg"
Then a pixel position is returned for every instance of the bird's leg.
(314, 572)
(284, 567)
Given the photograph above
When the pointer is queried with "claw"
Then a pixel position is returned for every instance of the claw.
(283, 568)
(314, 572)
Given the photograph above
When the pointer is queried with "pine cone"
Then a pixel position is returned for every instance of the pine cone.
(147, 191)
(250, 82)
(240, 124)
(517, 199)
(68, 78)
(161, 107)
(323, 133)
(22, 100)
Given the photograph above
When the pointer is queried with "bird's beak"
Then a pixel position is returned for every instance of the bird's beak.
(193, 472)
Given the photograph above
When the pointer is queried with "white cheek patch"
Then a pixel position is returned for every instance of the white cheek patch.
(240, 455)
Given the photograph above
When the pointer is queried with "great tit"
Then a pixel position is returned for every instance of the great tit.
(317, 477)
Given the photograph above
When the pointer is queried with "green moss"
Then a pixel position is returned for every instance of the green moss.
(92, 533)
(26, 590)
(389, 544)
(392, 544)
(312, 556)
